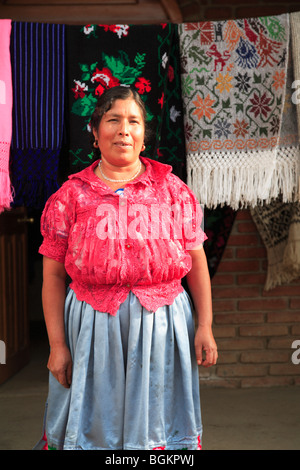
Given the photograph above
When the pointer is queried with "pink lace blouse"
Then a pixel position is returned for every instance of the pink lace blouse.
(113, 242)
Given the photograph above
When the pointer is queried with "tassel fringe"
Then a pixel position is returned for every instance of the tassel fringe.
(6, 196)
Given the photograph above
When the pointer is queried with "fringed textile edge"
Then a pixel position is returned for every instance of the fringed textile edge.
(6, 196)
(33, 193)
(244, 179)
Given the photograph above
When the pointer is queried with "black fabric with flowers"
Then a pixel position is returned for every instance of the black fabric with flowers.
(145, 57)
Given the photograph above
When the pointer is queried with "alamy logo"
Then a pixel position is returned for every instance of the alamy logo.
(296, 94)
(154, 221)
(2, 352)
(296, 353)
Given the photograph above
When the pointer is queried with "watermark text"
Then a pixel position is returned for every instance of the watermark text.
(296, 353)
(2, 352)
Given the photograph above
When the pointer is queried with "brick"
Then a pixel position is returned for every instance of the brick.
(296, 330)
(286, 290)
(229, 253)
(246, 227)
(224, 332)
(243, 214)
(242, 370)
(204, 372)
(229, 292)
(227, 358)
(223, 305)
(239, 344)
(262, 304)
(266, 382)
(251, 279)
(243, 240)
(265, 356)
(238, 318)
(295, 304)
(251, 252)
(280, 343)
(286, 369)
(223, 279)
(283, 317)
(215, 382)
(263, 330)
(239, 266)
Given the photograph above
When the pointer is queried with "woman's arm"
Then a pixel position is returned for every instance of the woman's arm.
(53, 298)
(198, 280)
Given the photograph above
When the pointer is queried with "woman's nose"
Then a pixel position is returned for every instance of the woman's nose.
(124, 128)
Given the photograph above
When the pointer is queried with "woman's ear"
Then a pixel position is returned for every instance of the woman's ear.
(95, 134)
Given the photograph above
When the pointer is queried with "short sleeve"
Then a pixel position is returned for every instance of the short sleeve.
(56, 221)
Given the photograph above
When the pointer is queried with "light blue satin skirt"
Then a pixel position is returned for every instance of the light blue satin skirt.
(135, 382)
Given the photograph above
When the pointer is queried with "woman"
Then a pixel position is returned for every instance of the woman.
(122, 352)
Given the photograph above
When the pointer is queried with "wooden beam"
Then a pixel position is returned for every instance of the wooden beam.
(173, 11)
(150, 13)
(69, 2)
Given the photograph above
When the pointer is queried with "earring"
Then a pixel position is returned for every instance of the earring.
(95, 144)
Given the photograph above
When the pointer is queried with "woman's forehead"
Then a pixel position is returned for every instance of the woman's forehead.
(126, 107)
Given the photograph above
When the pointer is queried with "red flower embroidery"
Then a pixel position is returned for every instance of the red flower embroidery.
(159, 154)
(105, 78)
(99, 90)
(79, 89)
(161, 100)
(143, 85)
(119, 29)
(260, 105)
(170, 73)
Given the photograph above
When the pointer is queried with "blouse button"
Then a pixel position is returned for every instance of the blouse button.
(128, 285)
(128, 246)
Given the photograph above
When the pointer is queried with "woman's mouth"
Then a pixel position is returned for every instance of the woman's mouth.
(122, 144)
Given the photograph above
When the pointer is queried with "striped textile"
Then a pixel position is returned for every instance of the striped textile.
(38, 76)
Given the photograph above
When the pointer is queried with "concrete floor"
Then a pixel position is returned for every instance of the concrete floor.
(243, 419)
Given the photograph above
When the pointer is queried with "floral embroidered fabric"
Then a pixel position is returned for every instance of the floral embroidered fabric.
(111, 244)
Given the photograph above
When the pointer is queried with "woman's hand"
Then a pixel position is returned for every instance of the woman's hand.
(60, 364)
(205, 347)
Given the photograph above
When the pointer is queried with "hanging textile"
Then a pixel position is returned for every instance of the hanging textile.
(233, 85)
(295, 35)
(38, 74)
(278, 222)
(295, 38)
(218, 223)
(5, 114)
(145, 57)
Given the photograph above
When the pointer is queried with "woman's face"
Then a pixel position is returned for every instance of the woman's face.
(121, 133)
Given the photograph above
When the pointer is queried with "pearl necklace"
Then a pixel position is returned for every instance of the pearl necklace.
(119, 181)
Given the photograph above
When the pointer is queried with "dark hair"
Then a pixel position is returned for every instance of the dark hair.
(106, 101)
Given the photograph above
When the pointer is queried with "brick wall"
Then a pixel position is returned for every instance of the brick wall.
(254, 329)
